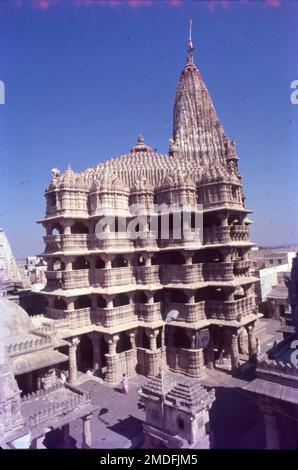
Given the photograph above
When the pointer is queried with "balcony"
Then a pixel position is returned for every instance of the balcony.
(149, 312)
(218, 271)
(72, 242)
(230, 310)
(146, 240)
(201, 272)
(175, 274)
(75, 318)
(69, 279)
(216, 235)
(77, 278)
(83, 242)
(188, 237)
(189, 313)
(111, 240)
(113, 277)
(241, 268)
(115, 316)
(146, 274)
(239, 233)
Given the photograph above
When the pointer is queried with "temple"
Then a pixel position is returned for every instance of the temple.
(108, 293)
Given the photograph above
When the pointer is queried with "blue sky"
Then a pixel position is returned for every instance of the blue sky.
(83, 78)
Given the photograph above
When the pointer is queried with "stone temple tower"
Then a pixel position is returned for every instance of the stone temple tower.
(111, 294)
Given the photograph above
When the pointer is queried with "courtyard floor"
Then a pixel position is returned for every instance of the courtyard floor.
(234, 417)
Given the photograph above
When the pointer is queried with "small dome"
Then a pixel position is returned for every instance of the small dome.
(141, 146)
(14, 321)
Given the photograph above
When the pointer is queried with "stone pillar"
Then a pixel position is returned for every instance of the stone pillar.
(152, 335)
(114, 368)
(86, 436)
(230, 295)
(66, 227)
(251, 341)
(131, 297)
(95, 338)
(112, 341)
(70, 302)
(150, 297)
(234, 352)
(148, 259)
(73, 370)
(68, 263)
(224, 220)
(188, 257)
(108, 261)
(162, 338)
(190, 296)
(109, 300)
(132, 336)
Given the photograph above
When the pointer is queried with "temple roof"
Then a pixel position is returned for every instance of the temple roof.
(199, 145)
(196, 127)
(185, 393)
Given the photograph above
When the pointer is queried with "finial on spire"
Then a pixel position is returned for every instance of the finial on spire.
(190, 49)
(140, 139)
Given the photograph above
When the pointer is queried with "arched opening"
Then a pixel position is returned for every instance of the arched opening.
(144, 340)
(199, 257)
(180, 338)
(178, 296)
(213, 256)
(101, 301)
(173, 257)
(200, 295)
(82, 302)
(158, 340)
(239, 293)
(85, 353)
(57, 229)
(140, 297)
(81, 263)
(79, 227)
(124, 343)
(155, 260)
(158, 296)
(120, 299)
(119, 262)
(104, 349)
(99, 263)
(58, 265)
(52, 200)
(60, 303)
(217, 293)
(234, 220)
(140, 261)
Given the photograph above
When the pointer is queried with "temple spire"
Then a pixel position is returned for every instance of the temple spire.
(190, 49)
